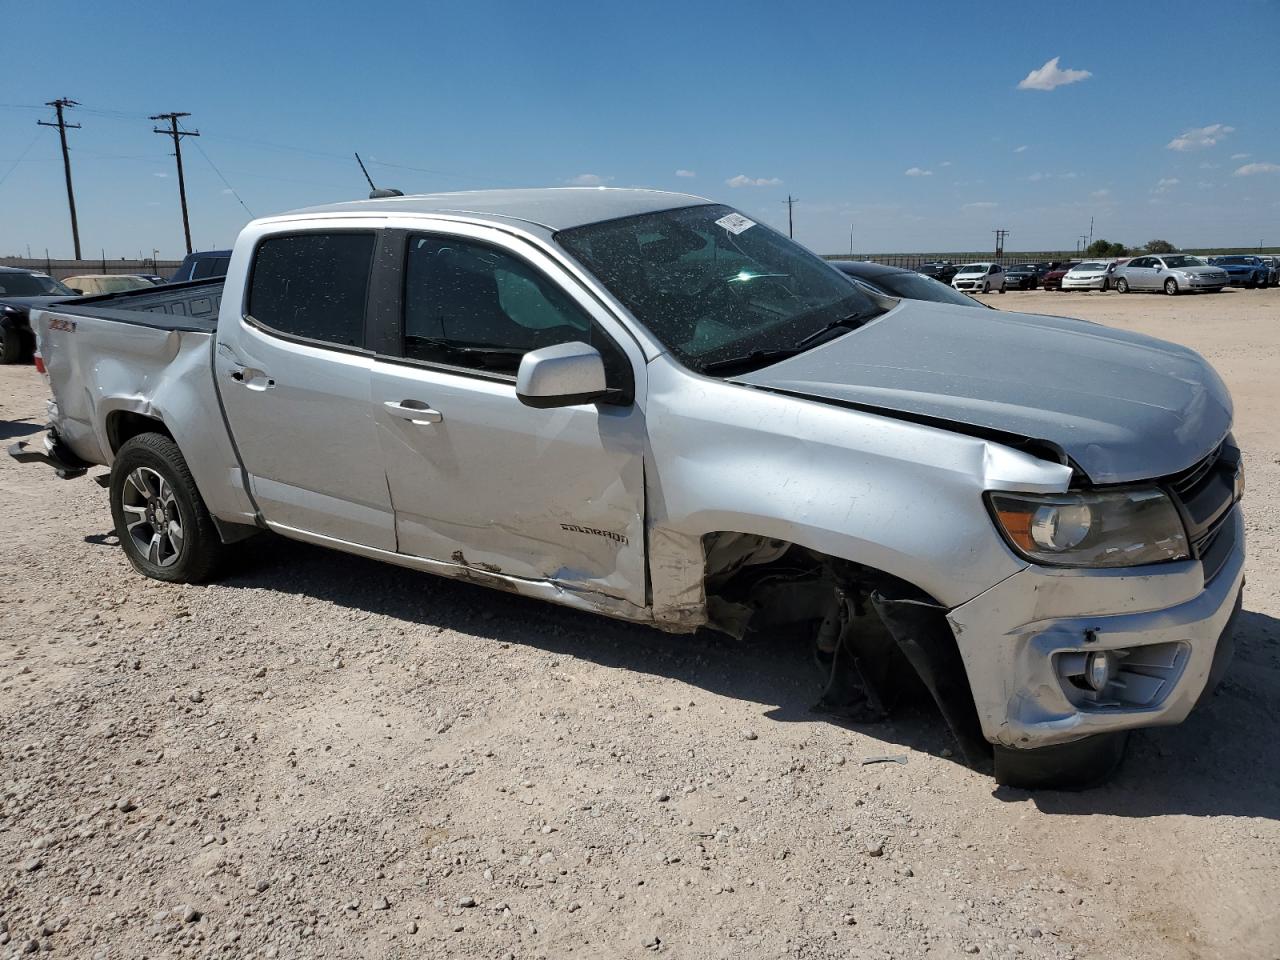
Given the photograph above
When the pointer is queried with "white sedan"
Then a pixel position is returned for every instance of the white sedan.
(1090, 275)
(979, 278)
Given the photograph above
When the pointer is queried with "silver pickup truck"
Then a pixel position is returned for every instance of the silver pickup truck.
(647, 405)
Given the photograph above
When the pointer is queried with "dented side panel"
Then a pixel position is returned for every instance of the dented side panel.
(99, 367)
(901, 497)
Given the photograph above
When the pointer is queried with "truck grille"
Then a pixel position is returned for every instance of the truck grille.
(1205, 494)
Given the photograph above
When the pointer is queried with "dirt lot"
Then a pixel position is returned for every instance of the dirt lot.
(324, 756)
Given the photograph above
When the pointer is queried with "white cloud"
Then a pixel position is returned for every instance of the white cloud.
(742, 180)
(1069, 175)
(685, 173)
(160, 175)
(1241, 156)
(588, 180)
(945, 163)
(227, 191)
(1249, 169)
(1021, 149)
(1165, 183)
(1197, 138)
(980, 205)
(1037, 177)
(918, 172)
(1050, 76)
(1100, 194)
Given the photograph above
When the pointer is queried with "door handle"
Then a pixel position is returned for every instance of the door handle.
(252, 378)
(415, 411)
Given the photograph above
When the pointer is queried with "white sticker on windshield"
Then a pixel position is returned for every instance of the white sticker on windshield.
(735, 223)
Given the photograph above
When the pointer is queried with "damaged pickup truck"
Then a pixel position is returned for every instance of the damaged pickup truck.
(647, 405)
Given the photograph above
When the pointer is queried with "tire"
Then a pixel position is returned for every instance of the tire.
(986, 288)
(1106, 285)
(1171, 287)
(1002, 287)
(1122, 285)
(10, 344)
(150, 479)
(1066, 766)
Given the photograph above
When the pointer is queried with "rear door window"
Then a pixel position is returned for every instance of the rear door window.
(313, 286)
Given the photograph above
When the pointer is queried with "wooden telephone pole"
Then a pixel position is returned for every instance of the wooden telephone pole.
(177, 135)
(59, 105)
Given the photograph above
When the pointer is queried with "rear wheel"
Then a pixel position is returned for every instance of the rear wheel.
(161, 521)
(1171, 287)
(1122, 285)
(10, 344)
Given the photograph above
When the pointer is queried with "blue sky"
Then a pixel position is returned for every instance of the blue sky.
(904, 122)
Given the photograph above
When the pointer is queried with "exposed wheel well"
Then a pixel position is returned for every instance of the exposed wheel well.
(880, 632)
(124, 425)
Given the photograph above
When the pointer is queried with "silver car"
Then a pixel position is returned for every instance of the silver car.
(1173, 273)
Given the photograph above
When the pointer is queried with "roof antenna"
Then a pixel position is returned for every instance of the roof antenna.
(374, 192)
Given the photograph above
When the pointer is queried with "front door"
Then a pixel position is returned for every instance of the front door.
(476, 477)
(294, 379)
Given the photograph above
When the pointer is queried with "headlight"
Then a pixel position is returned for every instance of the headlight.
(1101, 528)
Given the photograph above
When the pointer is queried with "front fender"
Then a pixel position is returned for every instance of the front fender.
(901, 497)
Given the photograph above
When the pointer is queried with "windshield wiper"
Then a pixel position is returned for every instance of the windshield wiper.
(852, 322)
(749, 361)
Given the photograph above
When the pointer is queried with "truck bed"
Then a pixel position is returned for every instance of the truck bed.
(184, 307)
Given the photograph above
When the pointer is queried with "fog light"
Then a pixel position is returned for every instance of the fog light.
(1099, 669)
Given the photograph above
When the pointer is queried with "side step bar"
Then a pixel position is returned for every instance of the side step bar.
(52, 451)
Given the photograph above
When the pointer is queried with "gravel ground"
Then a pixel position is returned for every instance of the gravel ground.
(324, 756)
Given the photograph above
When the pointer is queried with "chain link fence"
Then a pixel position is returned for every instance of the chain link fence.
(61, 269)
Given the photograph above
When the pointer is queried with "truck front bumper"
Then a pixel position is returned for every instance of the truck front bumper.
(1167, 628)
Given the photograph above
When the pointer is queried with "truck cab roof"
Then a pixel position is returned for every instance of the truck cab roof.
(553, 208)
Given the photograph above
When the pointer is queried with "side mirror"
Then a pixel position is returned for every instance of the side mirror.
(77, 291)
(561, 376)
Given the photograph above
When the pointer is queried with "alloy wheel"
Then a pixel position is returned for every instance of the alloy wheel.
(155, 523)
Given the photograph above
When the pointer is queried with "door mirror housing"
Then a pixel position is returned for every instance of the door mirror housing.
(561, 376)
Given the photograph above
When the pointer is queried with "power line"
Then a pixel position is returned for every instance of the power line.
(177, 135)
(222, 178)
(59, 105)
(22, 156)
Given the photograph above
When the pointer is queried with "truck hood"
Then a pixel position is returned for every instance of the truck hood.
(1121, 405)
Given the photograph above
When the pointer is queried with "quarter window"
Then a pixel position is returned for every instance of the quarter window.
(467, 304)
(313, 285)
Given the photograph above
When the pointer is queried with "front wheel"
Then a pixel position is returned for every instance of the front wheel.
(1122, 285)
(161, 521)
(1171, 287)
(1002, 287)
(1065, 766)
(986, 288)
(10, 344)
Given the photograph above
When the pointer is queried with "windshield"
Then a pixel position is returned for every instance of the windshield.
(1184, 262)
(32, 285)
(1091, 266)
(1023, 268)
(913, 286)
(1235, 260)
(712, 285)
(972, 268)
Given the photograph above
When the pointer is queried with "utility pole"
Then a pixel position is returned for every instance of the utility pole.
(791, 226)
(1091, 229)
(59, 105)
(1084, 243)
(851, 241)
(177, 135)
(1000, 235)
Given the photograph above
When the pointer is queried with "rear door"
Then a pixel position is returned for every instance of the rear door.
(294, 377)
(476, 477)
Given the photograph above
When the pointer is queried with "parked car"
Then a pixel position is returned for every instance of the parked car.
(897, 282)
(20, 290)
(1273, 266)
(650, 406)
(980, 278)
(1243, 270)
(92, 284)
(1173, 273)
(943, 271)
(1089, 275)
(201, 265)
(153, 278)
(1024, 276)
(1051, 279)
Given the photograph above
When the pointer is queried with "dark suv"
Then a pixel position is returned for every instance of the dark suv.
(202, 265)
(1024, 276)
(20, 290)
